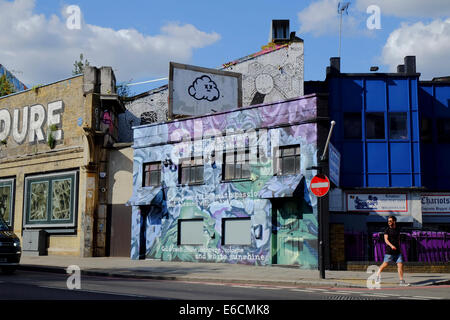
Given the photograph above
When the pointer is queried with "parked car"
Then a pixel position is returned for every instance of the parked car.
(10, 249)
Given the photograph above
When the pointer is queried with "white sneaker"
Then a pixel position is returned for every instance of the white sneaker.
(403, 284)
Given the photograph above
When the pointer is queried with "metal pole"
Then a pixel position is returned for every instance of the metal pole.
(321, 242)
(328, 140)
(340, 28)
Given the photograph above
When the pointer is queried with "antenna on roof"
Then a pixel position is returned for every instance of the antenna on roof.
(341, 8)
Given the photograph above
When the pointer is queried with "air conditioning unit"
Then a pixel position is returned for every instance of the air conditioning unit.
(34, 243)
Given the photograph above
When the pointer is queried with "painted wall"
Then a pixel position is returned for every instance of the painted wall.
(273, 74)
(270, 75)
(280, 124)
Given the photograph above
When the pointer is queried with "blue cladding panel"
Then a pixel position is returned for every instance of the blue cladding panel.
(398, 94)
(400, 157)
(351, 94)
(401, 180)
(415, 129)
(426, 100)
(375, 95)
(377, 157)
(416, 157)
(443, 163)
(352, 180)
(377, 180)
(442, 101)
(352, 158)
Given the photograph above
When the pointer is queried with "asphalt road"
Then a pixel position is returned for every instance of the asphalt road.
(27, 285)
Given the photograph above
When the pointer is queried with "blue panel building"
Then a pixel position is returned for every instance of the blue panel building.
(393, 135)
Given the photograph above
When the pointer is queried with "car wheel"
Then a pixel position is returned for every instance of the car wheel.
(8, 270)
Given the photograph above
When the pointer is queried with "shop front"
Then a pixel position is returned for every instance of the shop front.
(49, 164)
(230, 187)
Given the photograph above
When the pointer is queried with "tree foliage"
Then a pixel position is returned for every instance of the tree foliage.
(6, 87)
(79, 65)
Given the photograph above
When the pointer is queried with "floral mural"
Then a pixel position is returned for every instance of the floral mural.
(157, 211)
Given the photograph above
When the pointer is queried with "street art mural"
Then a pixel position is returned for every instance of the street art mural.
(277, 234)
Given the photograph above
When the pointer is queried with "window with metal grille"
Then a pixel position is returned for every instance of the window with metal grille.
(152, 174)
(237, 165)
(191, 171)
(288, 160)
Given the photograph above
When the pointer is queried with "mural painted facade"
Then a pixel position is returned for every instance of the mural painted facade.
(237, 220)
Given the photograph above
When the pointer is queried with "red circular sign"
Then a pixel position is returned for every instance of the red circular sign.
(320, 185)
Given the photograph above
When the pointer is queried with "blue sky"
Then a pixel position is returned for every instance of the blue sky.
(138, 38)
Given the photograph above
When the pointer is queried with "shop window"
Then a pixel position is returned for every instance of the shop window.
(398, 127)
(190, 232)
(443, 130)
(288, 160)
(191, 171)
(50, 200)
(426, 130)
(375, 125)
(236, 231)
(352, 125)
(152, 174)
(237, 165)
(7, 200)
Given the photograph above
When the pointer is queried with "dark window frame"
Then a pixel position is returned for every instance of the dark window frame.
(50, 221)
(352, 117)
(443, 130)
(391, 131)
(147, 180)
(282, 158)
(193, 167)
(237, 162)
(376, 130)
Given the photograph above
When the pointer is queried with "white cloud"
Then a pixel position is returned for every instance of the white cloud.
(409, 8)
(44, 49)
(321, 17)
(430, 43)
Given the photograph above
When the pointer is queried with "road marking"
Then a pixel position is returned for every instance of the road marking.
(304, 290)
(316, 289)
(269, 288)
(411, 298)
(438, 298)
(338, 292)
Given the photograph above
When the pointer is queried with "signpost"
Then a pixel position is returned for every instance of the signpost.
(334, 163)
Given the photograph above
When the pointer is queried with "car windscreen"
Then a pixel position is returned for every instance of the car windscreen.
(3, 225)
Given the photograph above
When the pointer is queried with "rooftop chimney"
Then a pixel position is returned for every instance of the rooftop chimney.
(401, 68)
(410, 64)
(335, 65)
(280, 30)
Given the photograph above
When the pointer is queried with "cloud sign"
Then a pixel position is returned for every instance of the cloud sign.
(203, 88)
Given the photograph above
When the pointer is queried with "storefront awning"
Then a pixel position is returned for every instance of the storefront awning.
(281, 187)
(145, 196)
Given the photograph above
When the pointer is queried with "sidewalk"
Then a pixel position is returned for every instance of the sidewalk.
(221, 272)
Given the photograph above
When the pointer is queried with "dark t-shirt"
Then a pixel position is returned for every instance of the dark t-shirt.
(394, 238)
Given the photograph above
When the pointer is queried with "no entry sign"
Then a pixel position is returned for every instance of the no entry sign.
(320, 185)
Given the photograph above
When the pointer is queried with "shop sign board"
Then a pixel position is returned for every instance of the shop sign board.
(377, 202)
(196, 91)
(334, 164)
(435, 203)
